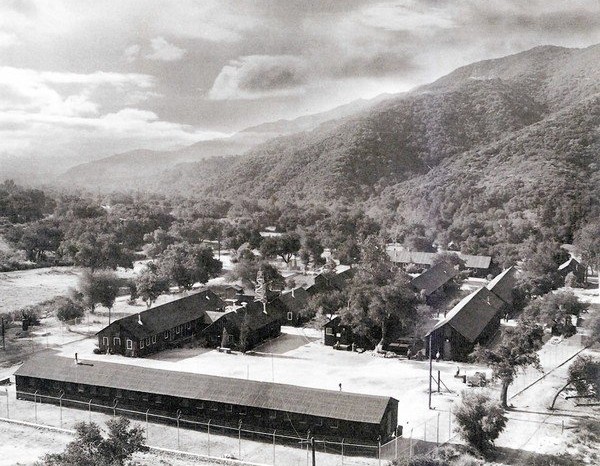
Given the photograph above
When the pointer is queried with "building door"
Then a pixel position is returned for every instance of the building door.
(447, 349)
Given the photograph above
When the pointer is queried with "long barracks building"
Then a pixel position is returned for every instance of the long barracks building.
(261, 405)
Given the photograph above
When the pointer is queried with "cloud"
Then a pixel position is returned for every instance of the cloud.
(259, 76)
(164, 51)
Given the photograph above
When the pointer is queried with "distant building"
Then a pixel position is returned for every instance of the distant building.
(289, 304)
(160, 327)
(334, 332)
(248, 321)
(572, 266)
(503, 285)
(480, 265)
(226, 401)
(434, 279)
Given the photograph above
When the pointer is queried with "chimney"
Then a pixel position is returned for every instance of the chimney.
(76, 359)
(293, 296)
(140, 319)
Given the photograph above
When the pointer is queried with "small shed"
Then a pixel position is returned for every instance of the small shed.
(574, 266)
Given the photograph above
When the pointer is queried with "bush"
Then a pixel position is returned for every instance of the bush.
(68, 309)
(480, 420)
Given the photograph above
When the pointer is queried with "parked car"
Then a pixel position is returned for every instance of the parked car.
(478, 379)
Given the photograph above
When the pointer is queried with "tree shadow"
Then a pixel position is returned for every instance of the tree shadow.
(513, 456)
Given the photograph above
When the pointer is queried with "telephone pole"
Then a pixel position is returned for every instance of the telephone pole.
(430, 369)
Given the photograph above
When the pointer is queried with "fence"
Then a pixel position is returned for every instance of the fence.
(186, 435)
(421, 439)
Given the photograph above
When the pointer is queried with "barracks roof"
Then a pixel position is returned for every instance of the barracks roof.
(472, 314)
(434, 278)
(169, 315)
(302, 400)
(503, 284)
(426, 258)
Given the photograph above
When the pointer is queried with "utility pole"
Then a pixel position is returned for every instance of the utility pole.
(430, 369)
(311, 441)
(3, 340)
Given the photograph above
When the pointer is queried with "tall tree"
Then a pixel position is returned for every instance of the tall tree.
(150, 284)
(584, 376)
(100, 287)
(587, 241)
(284, 246)
(186, 264)
(555, 310)
(516, 351)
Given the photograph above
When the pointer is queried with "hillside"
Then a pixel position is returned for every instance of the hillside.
(145, 169)
(409, 135)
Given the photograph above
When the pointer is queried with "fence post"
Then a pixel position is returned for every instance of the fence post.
(274, 446)
(147, 431)
(115, 408)
(437, 434)
(396, 448)
(425, 431)
(450, 423)
(60, 406)
(208, 431)
(35, 404)
(178, 416)
(379, 450)
(342, 452)
(410, 445)
(90, 410)
(307, 446)
(240, 440)
(7, 412)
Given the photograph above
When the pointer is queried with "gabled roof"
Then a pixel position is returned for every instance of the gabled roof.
(302, 400)
(472, 314)
(434, 278)
(503, 284)
(571, 261)
(257, 318)
(426, 258)
(294, 299)
(169, 315)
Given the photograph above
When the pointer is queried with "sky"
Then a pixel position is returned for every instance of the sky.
(80, 79)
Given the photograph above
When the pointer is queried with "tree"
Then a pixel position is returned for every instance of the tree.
(555, 310)
(480, 420)
(246, 270)
(91, 447)
(100, 287)
(311, 250)
(284, 246)
(185, 264)
(150, 284)
(587, 241)
(68, 309)
(158, 241)
(517, 350)
(97, 251)
(539, 271)
(584, 376)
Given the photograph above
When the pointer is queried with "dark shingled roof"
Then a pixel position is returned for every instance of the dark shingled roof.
(309, 401)
(434, 278)
(169, 315)
(426, 258)
(503, 284)
(295, 299)
(472, 314)
(257, 318)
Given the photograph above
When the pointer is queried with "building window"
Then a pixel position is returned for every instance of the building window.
(116, 341)
(334, 424)
(214, 407)
(189, 325)
(273, 415)
(328, 331)
(80, 388)
(153, 339)
(242, 411)
(200, 406)
(167, 334)
(129, 344)
(178, 329)
(119, 393)
(148, 341)
(229, 408)
(290, 315)
(105, 341)
(158, 399)
(141, 343)
(319, 422)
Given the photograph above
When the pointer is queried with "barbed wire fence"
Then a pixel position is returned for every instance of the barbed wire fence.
(181, 434)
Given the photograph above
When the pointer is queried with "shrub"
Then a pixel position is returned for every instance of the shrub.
(67, 309)
(480, 420)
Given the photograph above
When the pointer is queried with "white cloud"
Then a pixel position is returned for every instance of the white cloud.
(259, 76)
(8, 39)
(164, 51)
